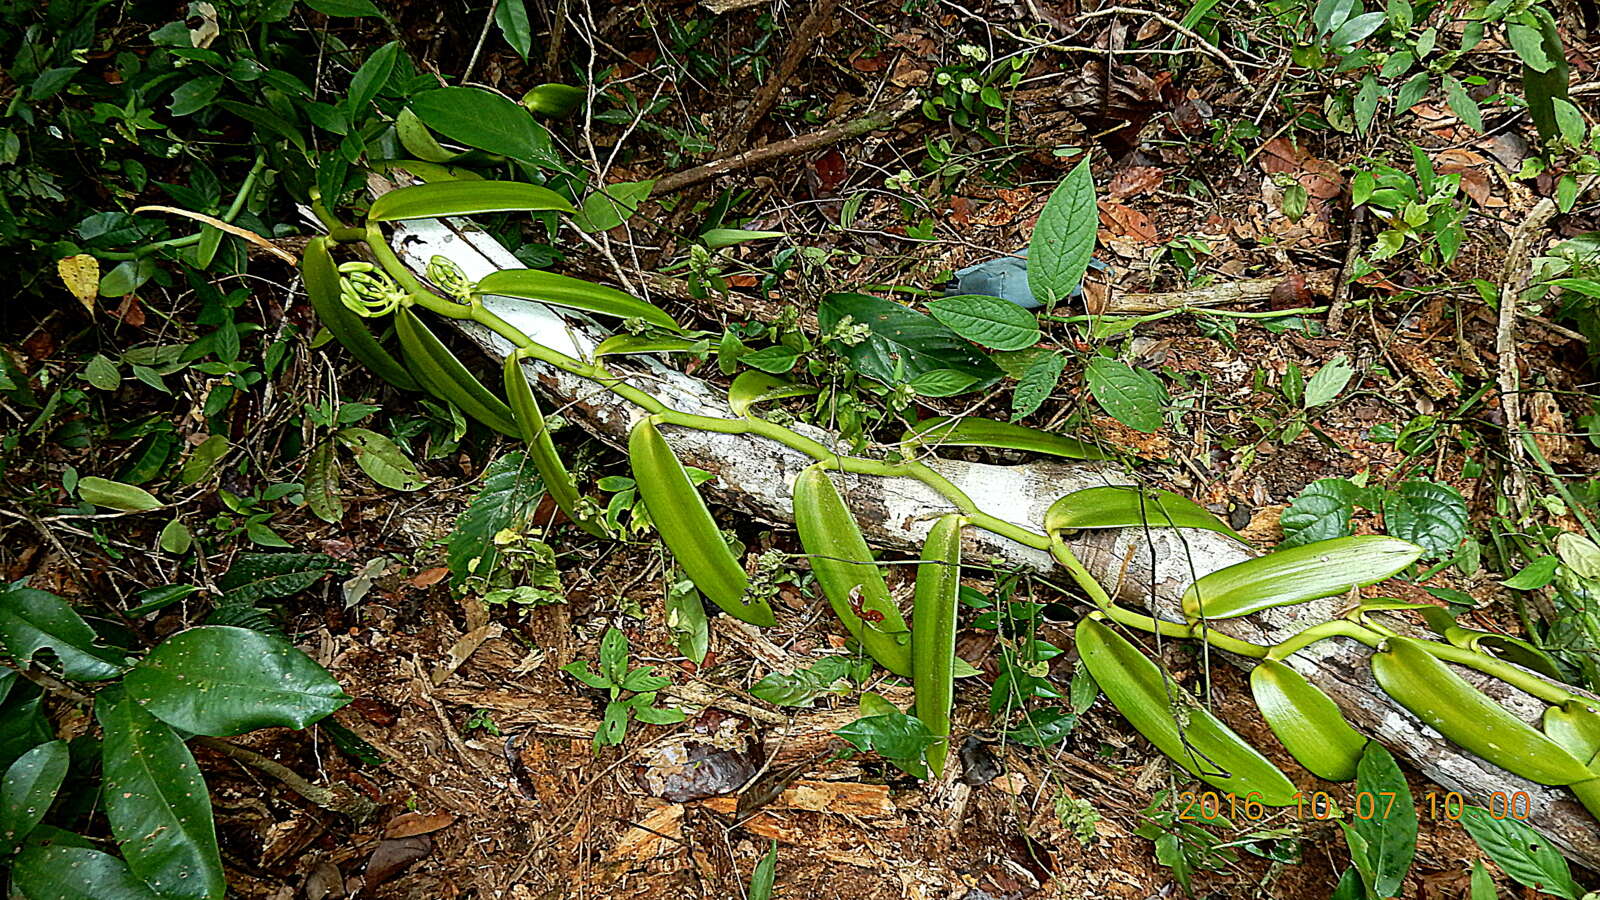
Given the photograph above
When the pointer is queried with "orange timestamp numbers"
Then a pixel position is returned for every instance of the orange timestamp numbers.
(1203, 806)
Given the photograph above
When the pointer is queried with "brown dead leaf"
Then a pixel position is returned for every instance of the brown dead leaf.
(131, 311)
(1126, 222)
(1290, 293)
(391, 857)
(863, 63)
(1133, 181)
(412, 824)
(429, 577)
(910, 71)
(1280, 156)
(1549, 427)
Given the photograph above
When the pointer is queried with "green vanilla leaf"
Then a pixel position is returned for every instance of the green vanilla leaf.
(465, 198)
(1063, 240)
(624, 344)
(116, 495)
(221, 681)
(1306, 721)
(1135, 397)
(1128, 506)
(442, 373)
(32, 620)
(751, 388)
(995, 323)
(157, 802)
(1203, 745)
(1522, 853)
(1297, 575)
(943, 431)
(575, 293)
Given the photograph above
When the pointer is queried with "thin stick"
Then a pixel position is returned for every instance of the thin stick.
(799, 144)
(483, 35)
(1341, 285)
(805, 35)
(1202, 43)
(339, 798)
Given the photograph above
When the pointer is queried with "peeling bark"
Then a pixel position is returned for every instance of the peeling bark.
(1143, 569)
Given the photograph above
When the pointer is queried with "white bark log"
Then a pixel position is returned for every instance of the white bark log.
(1151, 569)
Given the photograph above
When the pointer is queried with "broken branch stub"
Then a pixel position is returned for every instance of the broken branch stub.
(1143, 568)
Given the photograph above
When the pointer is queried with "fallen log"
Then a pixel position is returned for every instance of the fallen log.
(1141, 568)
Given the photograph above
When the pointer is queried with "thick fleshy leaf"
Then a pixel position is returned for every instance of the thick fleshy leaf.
(28, 789)
(1443, 700)
(1202, 745)
(1576, 727)
(219, 680)
(465, 198)
(750, 388)
(484, 121)
(1063, 240)
(541, 448)
(562, 290)
(995, 323)
(321, 279)
(973, 432)
(1297, 575)
(63, 872)
(443, 374)
(32, 620)
(624, 344)
(1127, 506)
(933, 634)
(1306, 721)
(157, 802)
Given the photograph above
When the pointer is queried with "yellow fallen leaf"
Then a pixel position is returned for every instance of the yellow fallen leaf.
(81, 274)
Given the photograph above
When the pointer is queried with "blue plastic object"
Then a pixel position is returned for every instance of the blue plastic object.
(1005, 277)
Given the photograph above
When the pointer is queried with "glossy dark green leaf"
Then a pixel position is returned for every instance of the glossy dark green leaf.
(506, 499)
(1391, 830)
(1321, 512)
(483, 120)
(443, 374)
(943, 431)
(1036, 384)
(1576, 727)
(261, 576)
(803, 686)
(1522, 853)
(1536, 574)
(321, 481)
(1543, 88)
(1203, 745)
(221, 681)
(1308, 723)
(1433, 516)
(902, 343)
(1135, 397)
(62, 872)
(1129, 506)
(28, 789)
(465, 198)
(1063, 240)
(995, 323)
(541, 447)
(345, 8)
(766, 872)
(751, 388)
(1044, 727)
(1445, 702)
(32, 620)
(370, 79)
(605, 209)
(321, 279)
(25, 724)
(561, 290)
(512, 17)
(157, 802)
(1298, 575)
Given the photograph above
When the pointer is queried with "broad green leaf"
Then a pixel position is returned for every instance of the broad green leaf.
(32, 620)
(1529, 44)
(995, 323)
(28, 789)
(1355, 29)
(825, 676)
(102, 373)
(464, 198)
(554, 99)
(1521, 853)
(220, 681)
(561, 290)
(1580, 554)
(1482, 884)
(370, 79)
(1534, 575)
(443, 374)
(1043, 727)
(686, 616)
(1428, 514)
(116, 495)
(1324, 387)
(157, 802)
(322, 483)
(1391, 828)
(203, 459)
(26, 725)
(1543, 89)
(261, 576)
(1569, 121)
(751, 388)
(127, 276)
(483, 120)
(62, 872)
(774, 360)
(345, 8)
(420, 142)
(1036, 385)
(1063, 240)
(893, 735)
(1134, 397)
(766, 872)
(1298, 575)
(942, 383)
(381, 459)
(1462, 104)
(902, 343)
(942, 431)
(175, 537)
(512, 17)
(1321, 512)
(1127, 506)
(609, 207)
(510, 492)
